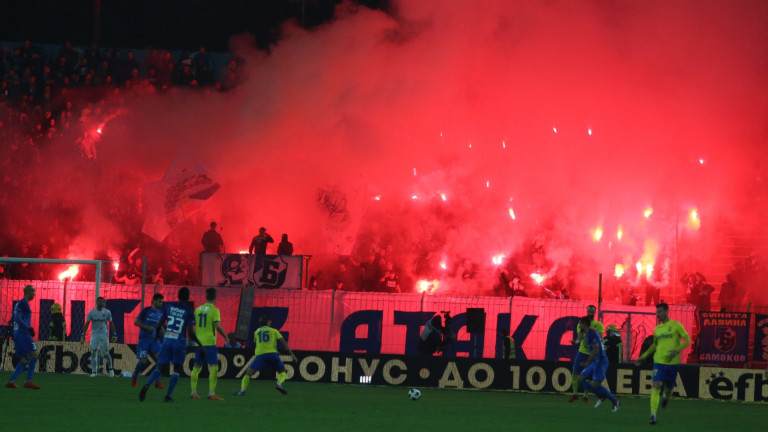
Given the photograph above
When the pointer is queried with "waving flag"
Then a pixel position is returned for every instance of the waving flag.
(170, 201)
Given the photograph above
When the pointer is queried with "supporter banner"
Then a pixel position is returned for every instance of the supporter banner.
(761, 338)
(724, 337)
(261, 271)
(733, 384)
(350, 322)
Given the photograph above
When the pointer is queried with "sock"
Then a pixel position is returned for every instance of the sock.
(31, 368)
(139, 369)
(281, 378)
(172, 384)
(213, 378)
(193, 377)
(109, 361)
(244, 382)
(655, 393)
(94, 361)
(575, 382)
(604, 392)
(154, 376)
(16, 372)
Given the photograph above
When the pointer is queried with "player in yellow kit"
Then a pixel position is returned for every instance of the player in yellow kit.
(208, 321)
(583, 354)
(266, 339)
(666, 349)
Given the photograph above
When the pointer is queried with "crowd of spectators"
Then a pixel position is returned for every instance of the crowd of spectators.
(744, 284)
(50, 99)
(42, 87)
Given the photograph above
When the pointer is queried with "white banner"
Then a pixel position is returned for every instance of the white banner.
(261, 271)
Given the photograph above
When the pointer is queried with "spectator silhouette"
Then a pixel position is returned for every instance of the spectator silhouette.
(212, 241)
(259, 243)
(285, 247)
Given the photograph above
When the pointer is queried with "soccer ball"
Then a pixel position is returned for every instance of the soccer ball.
(414, 394)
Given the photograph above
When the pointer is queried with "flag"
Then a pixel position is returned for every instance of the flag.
(170, 201)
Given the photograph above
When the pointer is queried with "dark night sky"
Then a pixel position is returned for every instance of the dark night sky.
(172, 24)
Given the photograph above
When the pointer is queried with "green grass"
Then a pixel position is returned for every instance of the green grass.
(73, 402)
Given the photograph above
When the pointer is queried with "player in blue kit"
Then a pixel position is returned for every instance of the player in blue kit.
(582, 354)
(147, 321)
(26, 350)
(178, 318)
(595, 365)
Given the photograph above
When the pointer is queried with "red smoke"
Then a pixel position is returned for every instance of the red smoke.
(521, 128)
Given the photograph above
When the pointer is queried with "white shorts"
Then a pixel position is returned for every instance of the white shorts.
(100, 342)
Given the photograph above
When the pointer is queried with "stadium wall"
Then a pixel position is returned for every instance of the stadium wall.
(425, 372)
(355, 322)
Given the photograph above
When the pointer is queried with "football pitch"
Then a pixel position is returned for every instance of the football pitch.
(76, 402)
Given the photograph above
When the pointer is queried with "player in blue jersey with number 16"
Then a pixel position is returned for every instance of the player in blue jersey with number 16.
(266, 339)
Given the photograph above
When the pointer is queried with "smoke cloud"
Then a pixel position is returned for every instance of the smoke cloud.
(438, 121)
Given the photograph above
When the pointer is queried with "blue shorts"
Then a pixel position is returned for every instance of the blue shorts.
(146, 347)
(208, 353)
(580, 357)
(24, 344)
(666, 374)
(172, 351)
(595, 371)
(271, 359)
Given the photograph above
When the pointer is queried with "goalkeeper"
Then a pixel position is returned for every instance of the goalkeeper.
(101, 318)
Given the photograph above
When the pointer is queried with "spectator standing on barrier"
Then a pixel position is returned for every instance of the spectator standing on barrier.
(232, 342)
(25, 347)
(101, 318)
(285, 247)
(727, 294)
(504, 286)
(259, 243)
(208, 318)
(149, 341)
(652, 294)
(583, 352)
(57, 328)
(517, 287)
(390, 282)
(212, 241)
(666, 349)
